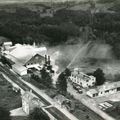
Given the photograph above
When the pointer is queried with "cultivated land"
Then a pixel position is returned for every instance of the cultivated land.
(8, 98)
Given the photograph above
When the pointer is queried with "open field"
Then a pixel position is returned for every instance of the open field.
(114, 111)
(8, 98)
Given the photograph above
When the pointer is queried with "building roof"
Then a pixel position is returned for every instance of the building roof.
(81, 75)
(36, 57)
(19, 67)
(105, 87)
(7, 43)
(23, 53)
(27, 96)
(60, 98)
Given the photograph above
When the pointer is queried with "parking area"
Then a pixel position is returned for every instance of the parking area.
(76, 89)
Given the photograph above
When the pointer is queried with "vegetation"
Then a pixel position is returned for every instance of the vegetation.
(106, 1)
(26, 26)
(4, 114)
(100, 79)
(38, 114)
(67, 72)
(8, 98)
(62, 83)
(114, 111)
(44, 78)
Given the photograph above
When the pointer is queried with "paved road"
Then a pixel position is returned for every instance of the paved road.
(91, 104)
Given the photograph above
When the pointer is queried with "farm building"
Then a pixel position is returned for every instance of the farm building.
(82, 79)
(106, 89)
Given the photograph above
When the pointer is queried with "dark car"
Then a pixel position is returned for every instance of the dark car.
(80, 91)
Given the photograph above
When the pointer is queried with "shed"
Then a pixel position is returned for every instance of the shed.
(19, 69)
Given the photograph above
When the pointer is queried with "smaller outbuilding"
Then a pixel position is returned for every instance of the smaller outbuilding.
(19, 69)
(29, 102)
(103, 90)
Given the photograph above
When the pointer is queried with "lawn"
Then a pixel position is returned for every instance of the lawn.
(8, 98)
(114, 111)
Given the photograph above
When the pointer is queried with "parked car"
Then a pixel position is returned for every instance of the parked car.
(80, 91)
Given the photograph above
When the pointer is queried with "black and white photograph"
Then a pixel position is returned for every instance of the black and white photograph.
(59, 59)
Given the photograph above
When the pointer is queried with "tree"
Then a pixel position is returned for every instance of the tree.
(4, 114)
(67, 72)
(100, 79)
(46, 78)
(38, 114)
(62, 82)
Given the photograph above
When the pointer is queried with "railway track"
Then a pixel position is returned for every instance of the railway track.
(16, 80)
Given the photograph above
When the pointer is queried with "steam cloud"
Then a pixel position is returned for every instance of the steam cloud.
(88, 57)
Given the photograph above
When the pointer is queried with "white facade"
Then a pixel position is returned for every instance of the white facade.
(82, 79)
(7, 45)
(19, 69)
(104, 90)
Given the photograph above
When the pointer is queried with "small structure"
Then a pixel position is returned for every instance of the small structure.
(60, 99)
(7, 45)
(103, 90)
(19, 69)
(64, 102)
(29, 102)
(82, 79)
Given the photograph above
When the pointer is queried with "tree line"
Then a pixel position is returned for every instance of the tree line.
(26, 26)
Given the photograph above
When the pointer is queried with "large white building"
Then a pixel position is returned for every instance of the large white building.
(82, 79)
(103, 90)
(22, 57)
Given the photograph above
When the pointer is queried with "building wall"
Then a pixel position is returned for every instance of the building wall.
(36, 60)
(25, 107)
(102, 93)
(21, 73)
(82, 82)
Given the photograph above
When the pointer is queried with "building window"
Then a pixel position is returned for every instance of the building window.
(118, 89)
(87, 80)
(107, 91)
(95, 94)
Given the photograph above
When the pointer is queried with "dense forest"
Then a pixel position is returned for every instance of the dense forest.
(27, 26)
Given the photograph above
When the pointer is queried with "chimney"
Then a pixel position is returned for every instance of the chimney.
(48, 60)
(45, 59)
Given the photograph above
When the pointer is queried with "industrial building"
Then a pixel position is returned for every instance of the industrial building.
(103, 90)
(82, 79)
(22, 57)
(19, 69)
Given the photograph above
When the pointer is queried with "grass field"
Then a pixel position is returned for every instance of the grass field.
(114, 111)
(8, 98)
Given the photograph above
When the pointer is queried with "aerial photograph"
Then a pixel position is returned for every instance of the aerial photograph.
(59, 59)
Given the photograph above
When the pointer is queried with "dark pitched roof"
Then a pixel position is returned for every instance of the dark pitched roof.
(36, 57)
